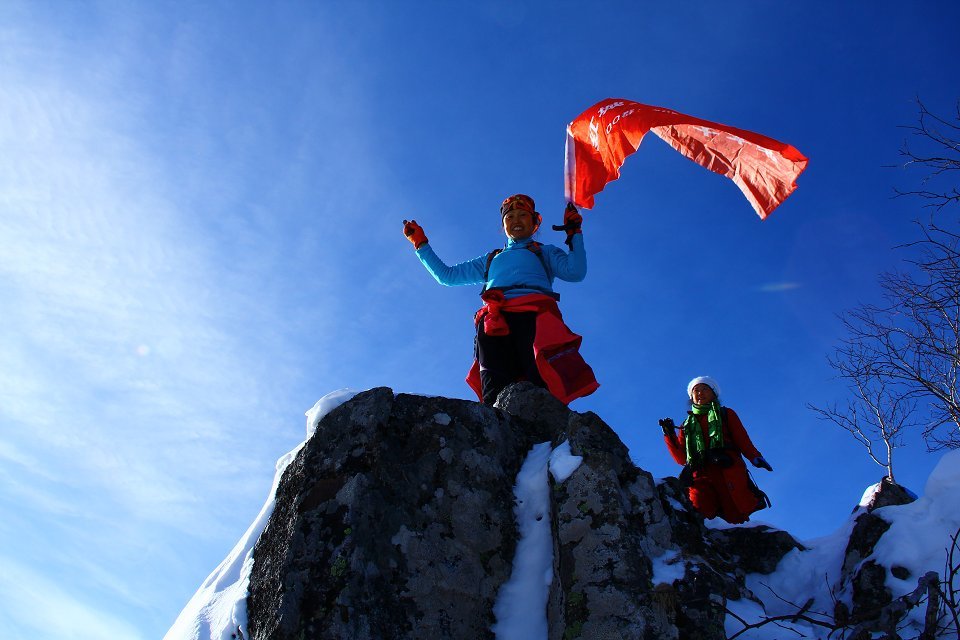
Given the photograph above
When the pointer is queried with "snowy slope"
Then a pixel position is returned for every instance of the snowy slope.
(917, 540)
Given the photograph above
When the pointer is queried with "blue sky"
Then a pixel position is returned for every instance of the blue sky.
(200, 207)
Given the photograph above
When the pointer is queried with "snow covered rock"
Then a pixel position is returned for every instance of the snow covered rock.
(866, 577)
(609, 523)
(406, 516)
(391, 523)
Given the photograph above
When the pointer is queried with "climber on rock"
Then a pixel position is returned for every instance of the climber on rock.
(520, 332)
(711, 445)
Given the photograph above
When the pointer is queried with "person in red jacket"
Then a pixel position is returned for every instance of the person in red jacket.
(711, 445)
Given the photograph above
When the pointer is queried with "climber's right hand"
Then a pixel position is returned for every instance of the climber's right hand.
(667, 425)
(572, 220)
(414, 233)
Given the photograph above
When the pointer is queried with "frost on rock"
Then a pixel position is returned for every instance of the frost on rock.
(869, 494)
(668, 567)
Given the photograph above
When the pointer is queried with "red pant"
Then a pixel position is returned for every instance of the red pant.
(725, 492)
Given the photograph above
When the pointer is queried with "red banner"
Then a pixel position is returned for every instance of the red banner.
(602, 137)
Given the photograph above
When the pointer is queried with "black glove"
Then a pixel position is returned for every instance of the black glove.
(760, 463)
(667, 425)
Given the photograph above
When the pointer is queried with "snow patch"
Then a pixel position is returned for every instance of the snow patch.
(325, 405)
(219, 607)
(562, 462)
(917, 539)
(441, 418)
(521, 606)
(218, 610)
(919, 532)
(668, 567)
(868, 495)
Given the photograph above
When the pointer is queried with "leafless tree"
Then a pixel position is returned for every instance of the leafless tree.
(937, 151)
(901, 357)
(910, 345)
(879, 411)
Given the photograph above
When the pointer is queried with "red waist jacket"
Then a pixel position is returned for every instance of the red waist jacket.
(556, 349)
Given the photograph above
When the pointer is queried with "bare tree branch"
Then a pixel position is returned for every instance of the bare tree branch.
(903, 355)
(939, 141)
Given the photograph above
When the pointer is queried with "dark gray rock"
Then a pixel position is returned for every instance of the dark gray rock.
(396, 521)
(867, 531)
(612, 521)
(867, 578)
(870, 592)
(889, 494)
(753, 549)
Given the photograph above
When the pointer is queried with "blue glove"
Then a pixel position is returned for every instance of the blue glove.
(760, 463)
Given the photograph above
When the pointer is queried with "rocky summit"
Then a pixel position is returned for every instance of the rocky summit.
(396, 520)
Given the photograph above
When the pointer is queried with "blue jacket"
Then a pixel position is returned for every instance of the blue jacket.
(514, 265)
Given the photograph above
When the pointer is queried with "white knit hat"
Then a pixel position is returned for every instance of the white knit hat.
(707, 380)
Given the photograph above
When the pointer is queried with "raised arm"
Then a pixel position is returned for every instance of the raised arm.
(570, 266)
(674, 442)
(469, 272)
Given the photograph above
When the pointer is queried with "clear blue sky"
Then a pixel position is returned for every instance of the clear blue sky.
(200, 209)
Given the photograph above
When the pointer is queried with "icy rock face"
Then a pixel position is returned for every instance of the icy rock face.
(396, 521)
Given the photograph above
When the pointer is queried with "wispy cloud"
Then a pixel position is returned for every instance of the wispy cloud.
(778, 287)
(132, 353)
(155, 303)
(36, 607)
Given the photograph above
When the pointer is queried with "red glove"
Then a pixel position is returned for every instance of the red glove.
(572, 221)
(414, 233)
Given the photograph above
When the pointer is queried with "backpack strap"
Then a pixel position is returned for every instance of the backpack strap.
(537, 250)
(486, 270)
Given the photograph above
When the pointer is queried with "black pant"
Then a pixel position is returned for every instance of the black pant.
(509, 358)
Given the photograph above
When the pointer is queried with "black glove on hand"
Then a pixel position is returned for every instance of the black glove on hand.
(667, 425)
(760, 463)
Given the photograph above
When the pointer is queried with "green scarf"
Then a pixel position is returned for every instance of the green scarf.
(696, 443)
